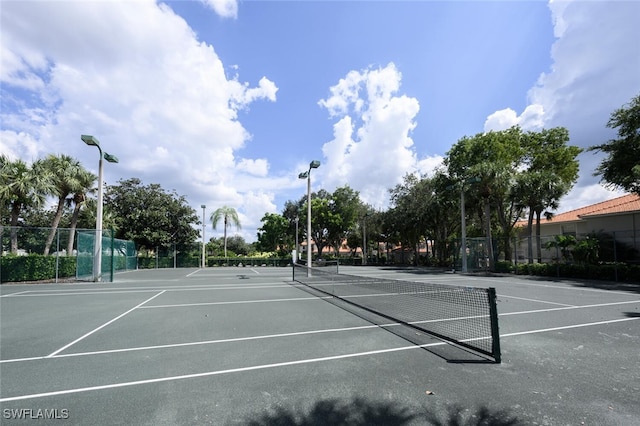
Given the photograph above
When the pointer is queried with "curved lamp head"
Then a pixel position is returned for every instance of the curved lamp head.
(314, 164)
(110, 158)
(303, 175)
(90, 140)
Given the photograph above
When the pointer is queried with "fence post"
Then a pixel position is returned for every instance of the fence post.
(57, 254)
(112, 256)
(515, 254)
(558, 261)
(615, 257)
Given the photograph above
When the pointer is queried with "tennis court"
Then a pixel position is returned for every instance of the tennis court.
(249, 346)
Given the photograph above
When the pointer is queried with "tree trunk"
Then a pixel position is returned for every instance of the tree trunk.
(538, 248)
(530, 232)
(72, 228)
(487, 214)
(15, 214)
(54, 226)
(225, 238)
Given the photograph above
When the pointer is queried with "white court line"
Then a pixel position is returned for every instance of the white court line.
(214, 373)
(205, 342)
(101, 327)
(569, 286)
(536, 300)
(329, 330)
(254, 270)
(236, 302)
(230, 340)
(274, 365)
(566, 327)
(15, 294)
(194, 272)
(564, 308)
(43, 293)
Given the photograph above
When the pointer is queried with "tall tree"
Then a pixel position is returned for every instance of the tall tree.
(549, 171)
(149, 215)
(65, 172)
(229, 216)
(22, 186)
(493, 158)
(272, 235)
(86, 181)
(344, 205)
(621, 166)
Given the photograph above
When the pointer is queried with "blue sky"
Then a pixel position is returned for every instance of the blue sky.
(226, 102)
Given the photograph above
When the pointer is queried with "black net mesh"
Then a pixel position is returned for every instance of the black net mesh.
(464, 315)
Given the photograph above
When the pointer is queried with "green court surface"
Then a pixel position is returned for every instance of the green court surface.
(250, 346)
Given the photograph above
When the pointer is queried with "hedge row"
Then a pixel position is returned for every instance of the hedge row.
(620, 272)
(36, 267)
(194, 262)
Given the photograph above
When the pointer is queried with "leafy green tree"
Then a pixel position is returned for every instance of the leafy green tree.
(409, 209)
(151, 216)
(65, 172)
(238, 245)
(492, 158)
(86, 180)
(344, 206)
(22, 186)
(333, 215)
(293, 213)
(272, 235)
(621, 166)
(229, 217)
(550, 171)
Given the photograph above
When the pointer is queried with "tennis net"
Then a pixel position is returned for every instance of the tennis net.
(465, 316)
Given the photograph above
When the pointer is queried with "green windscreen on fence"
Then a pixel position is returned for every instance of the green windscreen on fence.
(117, 255)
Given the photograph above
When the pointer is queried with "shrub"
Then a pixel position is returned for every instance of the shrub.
(36, 267)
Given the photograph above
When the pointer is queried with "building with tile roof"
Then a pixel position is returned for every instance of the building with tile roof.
(615, 221)
(615, 215)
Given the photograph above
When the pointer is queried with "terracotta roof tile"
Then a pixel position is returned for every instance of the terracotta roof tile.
(626, 203)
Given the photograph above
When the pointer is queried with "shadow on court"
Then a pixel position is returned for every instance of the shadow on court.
(360, 412)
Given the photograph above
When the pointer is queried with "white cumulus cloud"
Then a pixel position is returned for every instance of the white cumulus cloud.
(224, 8)
(596, 63)
(134, 75)
(371, 149)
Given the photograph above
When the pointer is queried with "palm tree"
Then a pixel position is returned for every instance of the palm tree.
(22, 186)
(227, 214)
(86, 180)
(66, 173)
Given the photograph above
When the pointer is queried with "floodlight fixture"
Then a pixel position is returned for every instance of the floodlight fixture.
(110, 158)
(90, 140)
(307, 175)
(97, 252)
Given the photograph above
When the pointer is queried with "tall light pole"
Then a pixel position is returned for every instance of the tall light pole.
(364, 239)
(463, 220)
(203, 239)
(464, 230)
(307, 175)
(295, 260)
(97, 247)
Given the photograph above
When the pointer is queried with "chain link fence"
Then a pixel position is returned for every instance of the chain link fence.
(611, 256)
(30, 254)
